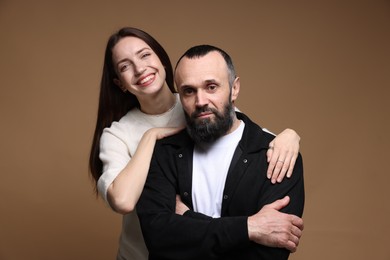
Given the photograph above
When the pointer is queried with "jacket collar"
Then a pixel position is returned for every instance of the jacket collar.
(253, 137)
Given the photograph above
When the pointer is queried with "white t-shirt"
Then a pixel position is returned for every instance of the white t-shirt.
(117, 146)
(210, 167)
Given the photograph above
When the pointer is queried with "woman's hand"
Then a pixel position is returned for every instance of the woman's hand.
(162, 132)
(282, 154)
(180, 206)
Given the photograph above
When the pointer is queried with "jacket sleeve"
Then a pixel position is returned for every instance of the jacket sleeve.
(171, 236)
(292, 187)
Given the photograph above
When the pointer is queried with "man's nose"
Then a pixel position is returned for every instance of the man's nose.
(201, 99)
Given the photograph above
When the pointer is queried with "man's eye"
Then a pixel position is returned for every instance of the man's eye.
(212, 87)
(188, 91)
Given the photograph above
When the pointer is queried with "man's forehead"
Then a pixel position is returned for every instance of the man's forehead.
(194, 77)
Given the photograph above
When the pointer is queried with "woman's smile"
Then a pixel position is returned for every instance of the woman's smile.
(147, 80)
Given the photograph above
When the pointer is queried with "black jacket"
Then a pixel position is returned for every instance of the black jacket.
(247, 190)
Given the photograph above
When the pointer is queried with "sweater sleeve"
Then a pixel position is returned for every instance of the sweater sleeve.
(114, 155)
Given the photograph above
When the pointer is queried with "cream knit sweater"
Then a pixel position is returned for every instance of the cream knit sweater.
(117, 146)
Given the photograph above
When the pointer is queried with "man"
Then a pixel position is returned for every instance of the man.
(218, 167)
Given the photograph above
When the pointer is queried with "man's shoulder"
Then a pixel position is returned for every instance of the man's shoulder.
(177, 140)
(254, 132)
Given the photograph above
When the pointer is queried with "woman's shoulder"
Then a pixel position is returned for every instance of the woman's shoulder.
(125, 124)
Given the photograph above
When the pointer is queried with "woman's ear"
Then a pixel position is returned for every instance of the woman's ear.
(119, 84)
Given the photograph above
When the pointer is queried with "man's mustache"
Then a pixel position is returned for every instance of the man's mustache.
(201, 110)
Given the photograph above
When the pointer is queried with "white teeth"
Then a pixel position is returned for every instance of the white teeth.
(146, 79)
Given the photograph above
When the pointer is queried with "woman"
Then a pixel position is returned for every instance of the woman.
(137, 106)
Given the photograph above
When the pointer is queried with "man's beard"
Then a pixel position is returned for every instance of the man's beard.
(207, 130)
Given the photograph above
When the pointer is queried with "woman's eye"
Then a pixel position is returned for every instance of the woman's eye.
(124, 67)
(146, 54)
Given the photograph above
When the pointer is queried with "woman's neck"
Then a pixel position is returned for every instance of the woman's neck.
(158, 103)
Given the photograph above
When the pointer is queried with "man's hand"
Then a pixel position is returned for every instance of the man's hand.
(180, 206)
(272, 228)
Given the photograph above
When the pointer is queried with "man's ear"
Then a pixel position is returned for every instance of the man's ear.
(235, 89)
(119, 84)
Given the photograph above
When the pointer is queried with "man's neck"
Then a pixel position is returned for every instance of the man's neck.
(235, 125)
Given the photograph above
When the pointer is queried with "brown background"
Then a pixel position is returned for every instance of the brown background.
(320, 67)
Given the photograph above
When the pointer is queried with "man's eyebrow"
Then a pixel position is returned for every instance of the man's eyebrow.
(206, 81)
(184, 86)
(211, 81)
